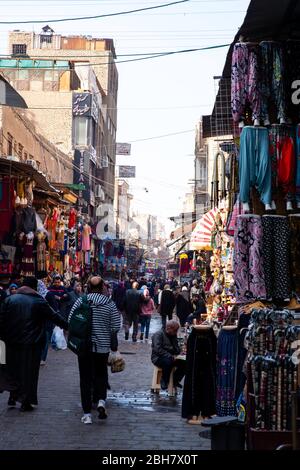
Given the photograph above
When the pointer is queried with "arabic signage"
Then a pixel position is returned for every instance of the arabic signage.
(126, 171)
(123, 149)
(85, 104)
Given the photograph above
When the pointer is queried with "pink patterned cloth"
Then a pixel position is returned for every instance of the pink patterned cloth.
(248, 258)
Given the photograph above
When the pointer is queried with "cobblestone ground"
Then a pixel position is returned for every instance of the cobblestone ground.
(137, 419)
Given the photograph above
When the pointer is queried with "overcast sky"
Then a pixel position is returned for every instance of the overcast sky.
(159, 96)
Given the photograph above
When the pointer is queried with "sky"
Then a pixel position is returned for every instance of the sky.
(156, 97)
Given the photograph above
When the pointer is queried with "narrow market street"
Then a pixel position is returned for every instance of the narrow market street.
(136, 420)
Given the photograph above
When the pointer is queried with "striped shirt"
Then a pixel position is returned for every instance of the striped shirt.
(106, 320)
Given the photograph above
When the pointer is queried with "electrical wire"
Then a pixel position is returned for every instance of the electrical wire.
(91, 64)
(106, 15)
(155, 56)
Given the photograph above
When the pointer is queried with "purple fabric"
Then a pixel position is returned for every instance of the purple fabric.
(245, 81)
(248, 259)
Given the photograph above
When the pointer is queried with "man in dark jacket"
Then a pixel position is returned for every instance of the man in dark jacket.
(22, 327)
(58, 297)
(165, 348)
(132, 311)
(166, 304)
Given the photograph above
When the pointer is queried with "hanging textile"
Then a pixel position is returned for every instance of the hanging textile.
(199, 391)
(245, 81)
(248, 258)
(226, 368)
(294, 222)
(276, 244)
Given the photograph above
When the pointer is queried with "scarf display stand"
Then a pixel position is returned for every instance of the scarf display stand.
(272, 384)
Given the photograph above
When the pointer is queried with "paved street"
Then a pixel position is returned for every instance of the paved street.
(137, 419)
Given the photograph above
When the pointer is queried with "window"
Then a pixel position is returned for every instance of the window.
(80, 131)
(19, 49)
(20, 151)
(9, 144)
(25, 156)
(46, 38)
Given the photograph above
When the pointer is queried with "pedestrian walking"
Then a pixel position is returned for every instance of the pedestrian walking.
(132, 311)
(106, 322)
(22, 327)
(183, 305)
(166, 304)
(147, 308)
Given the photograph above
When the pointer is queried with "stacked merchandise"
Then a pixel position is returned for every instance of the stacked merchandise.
(261, 83)
(266, 257)
(273, 373)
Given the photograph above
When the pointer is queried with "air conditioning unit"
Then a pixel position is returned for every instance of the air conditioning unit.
(98, 190)
(33, 163)
(13, 158)
(99, 193)
(104, 162)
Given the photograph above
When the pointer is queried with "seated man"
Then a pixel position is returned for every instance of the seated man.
(165, 348)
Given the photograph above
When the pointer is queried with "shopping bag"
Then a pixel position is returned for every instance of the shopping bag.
(59, 338)
(116, 362)
(2, 352)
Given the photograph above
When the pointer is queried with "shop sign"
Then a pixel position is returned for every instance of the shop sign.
(85, 104)
(126, 171)
(123, 149)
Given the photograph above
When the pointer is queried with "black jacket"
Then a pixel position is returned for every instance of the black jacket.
(133, 302)
(23, 317)
(164, 345)
(167, 302)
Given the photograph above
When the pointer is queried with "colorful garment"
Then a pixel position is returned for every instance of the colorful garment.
(272, 81)
(226, 365)
(245, 81)
(282, 154)
(248, 259)
(255, 164)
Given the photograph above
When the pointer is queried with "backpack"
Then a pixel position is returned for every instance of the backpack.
(80, 328)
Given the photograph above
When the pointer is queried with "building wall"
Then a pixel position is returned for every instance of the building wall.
(54, 119)
(19, 137)
(85, 49)
(212, 145)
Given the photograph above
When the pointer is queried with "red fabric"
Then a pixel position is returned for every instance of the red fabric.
(6, 206)
(286, 166)
(72, 218)
(184, 266)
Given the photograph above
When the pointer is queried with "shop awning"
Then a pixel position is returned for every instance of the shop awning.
(183, 230)
(201, 235)
(68, 195)
(15, 168)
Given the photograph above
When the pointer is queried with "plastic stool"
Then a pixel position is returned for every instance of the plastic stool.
(155, 387)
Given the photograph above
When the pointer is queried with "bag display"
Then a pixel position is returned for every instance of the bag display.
(80, 328)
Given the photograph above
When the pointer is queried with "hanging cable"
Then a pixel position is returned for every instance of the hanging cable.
(60, 20)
